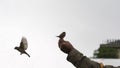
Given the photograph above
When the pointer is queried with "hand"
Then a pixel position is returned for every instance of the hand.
(66, 46)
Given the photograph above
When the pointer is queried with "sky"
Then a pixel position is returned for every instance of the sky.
(88, 23)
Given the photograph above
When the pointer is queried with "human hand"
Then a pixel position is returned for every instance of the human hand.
(65, 46)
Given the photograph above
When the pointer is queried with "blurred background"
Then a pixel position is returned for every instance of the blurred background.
(87, 23)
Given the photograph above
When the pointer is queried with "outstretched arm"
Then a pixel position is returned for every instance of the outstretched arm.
(76, 57)
(81, 61)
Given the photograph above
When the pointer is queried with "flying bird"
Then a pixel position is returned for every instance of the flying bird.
(23, 46)
(62, 35)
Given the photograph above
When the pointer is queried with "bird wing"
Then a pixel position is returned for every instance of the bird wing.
(24, 43)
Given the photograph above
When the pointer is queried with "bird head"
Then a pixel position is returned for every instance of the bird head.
(62, 35)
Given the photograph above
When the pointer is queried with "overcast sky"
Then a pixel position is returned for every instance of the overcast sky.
(88, 23)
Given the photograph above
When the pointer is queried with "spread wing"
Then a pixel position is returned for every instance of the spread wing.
(24, 43)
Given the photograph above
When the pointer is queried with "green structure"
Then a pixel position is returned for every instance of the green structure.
(109, 50)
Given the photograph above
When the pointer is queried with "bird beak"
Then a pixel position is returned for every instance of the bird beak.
(15, 48)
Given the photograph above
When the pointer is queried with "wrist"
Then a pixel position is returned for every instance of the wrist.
(70, 50)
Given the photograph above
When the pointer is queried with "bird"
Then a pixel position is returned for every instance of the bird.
(61, 39)
(62, 35)
(23, 46)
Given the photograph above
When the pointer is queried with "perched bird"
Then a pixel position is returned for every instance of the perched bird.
(23, 46)
(62, 35)
(64, 45)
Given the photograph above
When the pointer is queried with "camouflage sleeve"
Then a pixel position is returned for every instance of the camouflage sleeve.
(110, 66)
(81, 61)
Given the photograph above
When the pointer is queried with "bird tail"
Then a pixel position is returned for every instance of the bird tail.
(27, 54)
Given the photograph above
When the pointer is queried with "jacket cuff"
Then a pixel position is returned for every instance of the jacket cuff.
(74, 56)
